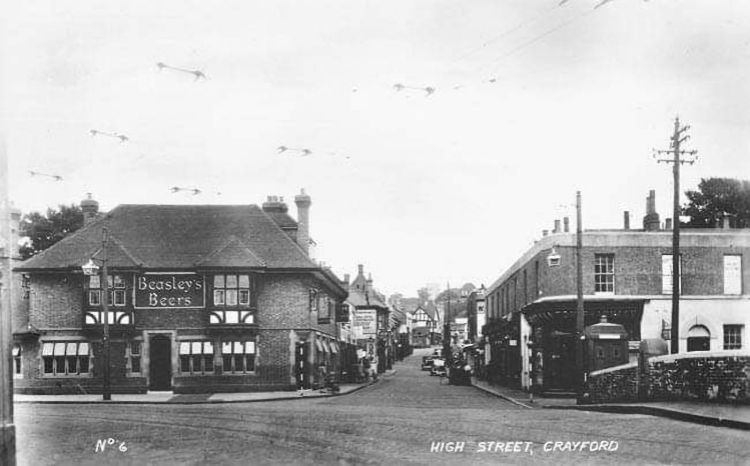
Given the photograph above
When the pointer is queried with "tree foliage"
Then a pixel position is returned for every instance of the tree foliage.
(716, 197)
(42, 231)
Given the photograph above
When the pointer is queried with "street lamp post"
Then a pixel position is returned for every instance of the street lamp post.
(91, 269)
(579, 298)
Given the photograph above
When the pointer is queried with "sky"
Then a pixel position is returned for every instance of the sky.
(529, 101)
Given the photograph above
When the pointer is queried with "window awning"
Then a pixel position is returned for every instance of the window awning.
(319, 345)
(334, 347)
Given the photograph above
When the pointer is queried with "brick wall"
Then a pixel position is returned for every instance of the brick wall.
(712, 377)
(55, 301)
(638, 271)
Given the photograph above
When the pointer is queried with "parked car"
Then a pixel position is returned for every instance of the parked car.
(426, 363)
(438, 367)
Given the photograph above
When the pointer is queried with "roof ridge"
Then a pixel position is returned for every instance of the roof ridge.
(68, 238)
(231, 239)
(130, 255)
(276, 225)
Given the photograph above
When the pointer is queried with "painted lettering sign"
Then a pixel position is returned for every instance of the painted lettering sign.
(169, 290)
(366, 320)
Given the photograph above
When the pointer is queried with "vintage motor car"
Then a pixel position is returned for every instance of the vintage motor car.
(426, 363)
(438, 367)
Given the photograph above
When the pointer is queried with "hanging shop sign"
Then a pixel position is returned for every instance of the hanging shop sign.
(169, 291)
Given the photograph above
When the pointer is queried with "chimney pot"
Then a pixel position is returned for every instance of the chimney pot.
(566, 224)
(545, 232)
(626, 220)
(557, 226)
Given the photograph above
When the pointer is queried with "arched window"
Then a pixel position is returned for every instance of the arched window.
(699, 338)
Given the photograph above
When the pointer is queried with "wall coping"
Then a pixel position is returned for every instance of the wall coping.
(621, 367)
(700, 354)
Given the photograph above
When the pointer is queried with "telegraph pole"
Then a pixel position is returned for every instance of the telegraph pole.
(7, 427)
(676, 141)
(579, 297)
(447, 330)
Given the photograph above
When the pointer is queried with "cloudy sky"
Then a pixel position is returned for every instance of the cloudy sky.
(532, 101)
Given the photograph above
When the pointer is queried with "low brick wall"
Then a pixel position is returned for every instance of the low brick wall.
(613, 385)
(722, 377)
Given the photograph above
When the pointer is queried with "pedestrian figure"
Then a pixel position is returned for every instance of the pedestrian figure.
(366, 368)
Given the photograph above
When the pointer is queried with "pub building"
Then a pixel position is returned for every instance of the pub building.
(200, 298)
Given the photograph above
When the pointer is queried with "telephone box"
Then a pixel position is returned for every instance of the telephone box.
(606, 345)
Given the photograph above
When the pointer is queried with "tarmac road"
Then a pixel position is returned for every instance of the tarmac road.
(400, 420)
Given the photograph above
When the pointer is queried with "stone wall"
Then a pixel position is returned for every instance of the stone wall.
(722, 377)
(617, 384)
(717, 376)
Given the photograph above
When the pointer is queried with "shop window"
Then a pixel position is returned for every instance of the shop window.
(699, 338)
(238, 357)
(115, 287)
(733, 337)
(196, 357)
(231, 290)
(604, 273)
(16, 361)
(65, 358)
(732, 274)
(666, 274)
(134, 356)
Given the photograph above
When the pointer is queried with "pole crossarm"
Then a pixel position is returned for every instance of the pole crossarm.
(678, 157)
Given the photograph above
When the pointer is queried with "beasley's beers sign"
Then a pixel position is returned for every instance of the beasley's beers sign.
(169, 290)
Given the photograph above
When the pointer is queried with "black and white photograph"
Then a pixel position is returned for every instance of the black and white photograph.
(344, 232)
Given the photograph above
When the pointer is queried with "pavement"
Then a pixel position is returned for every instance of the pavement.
(162, 397)
(714, 414)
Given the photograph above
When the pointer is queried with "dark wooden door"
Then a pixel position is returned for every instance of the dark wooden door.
(160, 363)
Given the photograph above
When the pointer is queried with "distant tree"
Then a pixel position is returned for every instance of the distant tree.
(716, 197)
(424, 295)
(454, 294)
(42, 231)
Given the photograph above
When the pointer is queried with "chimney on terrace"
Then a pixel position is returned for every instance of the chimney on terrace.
(90, 209)
(651, 219)
(303, 202)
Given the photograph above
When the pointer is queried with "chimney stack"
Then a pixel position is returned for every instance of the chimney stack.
(566, 224)
(626, 220)
(557, 226)
(90, 209)
(545, 232)
(275, 204)
(651, 219)
(346, 278)
(303, 202)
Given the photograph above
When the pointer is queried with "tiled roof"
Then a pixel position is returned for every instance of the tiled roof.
(283, 219)
(179, 236)
(358, 298)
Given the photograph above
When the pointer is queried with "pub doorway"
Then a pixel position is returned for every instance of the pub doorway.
(160, 362)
